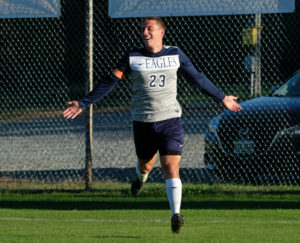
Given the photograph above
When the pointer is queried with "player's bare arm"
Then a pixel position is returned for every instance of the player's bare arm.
(118, 73)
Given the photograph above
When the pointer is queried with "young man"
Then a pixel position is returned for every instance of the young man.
(155, 110)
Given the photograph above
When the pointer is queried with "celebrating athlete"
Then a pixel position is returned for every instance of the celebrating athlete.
(156, 112)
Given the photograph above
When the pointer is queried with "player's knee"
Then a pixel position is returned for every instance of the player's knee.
(145, 168)
(170, 171)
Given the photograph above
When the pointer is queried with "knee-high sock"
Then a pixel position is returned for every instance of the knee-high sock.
(174, 192)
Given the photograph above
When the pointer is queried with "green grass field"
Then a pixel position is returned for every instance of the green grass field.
(210, 216)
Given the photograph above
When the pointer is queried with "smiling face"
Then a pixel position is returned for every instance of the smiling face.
(152, 34)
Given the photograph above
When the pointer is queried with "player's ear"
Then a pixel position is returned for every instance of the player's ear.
(162, 32)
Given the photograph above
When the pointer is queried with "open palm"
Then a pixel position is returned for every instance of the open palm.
(73, 110)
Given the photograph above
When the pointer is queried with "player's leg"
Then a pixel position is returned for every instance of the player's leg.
(143, 168)
(146, 151)
(170, 167)
(170, 149)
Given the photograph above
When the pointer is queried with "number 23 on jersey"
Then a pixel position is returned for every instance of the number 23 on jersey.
(157, 80)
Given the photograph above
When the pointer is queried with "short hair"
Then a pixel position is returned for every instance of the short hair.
(158, 20)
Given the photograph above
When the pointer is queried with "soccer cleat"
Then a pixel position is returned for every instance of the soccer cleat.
(176, 222)
(136, 187)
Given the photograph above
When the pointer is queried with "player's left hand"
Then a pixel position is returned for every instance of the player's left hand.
(231, 104)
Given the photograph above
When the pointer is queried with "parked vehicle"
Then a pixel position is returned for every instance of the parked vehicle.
(260, 143)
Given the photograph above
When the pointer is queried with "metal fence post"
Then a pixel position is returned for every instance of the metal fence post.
(89, 87)
(257, 79)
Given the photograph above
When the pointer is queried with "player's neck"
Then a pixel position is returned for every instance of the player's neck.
(154, 49)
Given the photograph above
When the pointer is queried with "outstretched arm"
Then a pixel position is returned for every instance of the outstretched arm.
(199, 79)
(102, 89)
(205, 85)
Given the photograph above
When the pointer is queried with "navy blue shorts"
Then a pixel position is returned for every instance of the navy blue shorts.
(163, 136)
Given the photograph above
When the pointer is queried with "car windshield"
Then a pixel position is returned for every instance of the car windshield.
(290, 88)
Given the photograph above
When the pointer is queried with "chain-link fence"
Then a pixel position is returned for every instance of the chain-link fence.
(44, 65)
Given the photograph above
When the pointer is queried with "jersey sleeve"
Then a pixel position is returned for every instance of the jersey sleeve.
(105, 86)
(102, 88)
(200, 80)
(123, 65)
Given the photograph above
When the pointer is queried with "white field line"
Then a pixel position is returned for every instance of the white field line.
(84, 220)
(140, 221)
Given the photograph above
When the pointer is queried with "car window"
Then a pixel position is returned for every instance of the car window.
(290, 88)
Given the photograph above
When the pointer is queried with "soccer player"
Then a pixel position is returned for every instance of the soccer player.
(155, 110)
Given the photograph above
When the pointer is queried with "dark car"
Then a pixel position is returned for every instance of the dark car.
(261, 143)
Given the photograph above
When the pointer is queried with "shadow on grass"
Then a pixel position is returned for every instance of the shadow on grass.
(144, 203)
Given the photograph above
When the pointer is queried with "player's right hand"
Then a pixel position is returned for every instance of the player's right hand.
(73, 110)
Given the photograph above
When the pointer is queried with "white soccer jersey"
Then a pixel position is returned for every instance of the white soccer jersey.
(154, 82)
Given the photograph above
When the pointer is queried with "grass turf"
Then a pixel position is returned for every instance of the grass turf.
(148, 226)
(210, 216)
